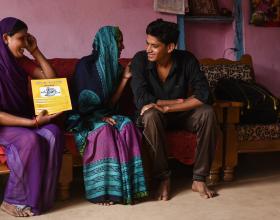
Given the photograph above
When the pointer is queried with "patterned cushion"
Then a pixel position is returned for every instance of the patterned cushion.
(258, 132)
(216, 72)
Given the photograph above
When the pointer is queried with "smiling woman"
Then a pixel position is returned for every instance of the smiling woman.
(33, 154)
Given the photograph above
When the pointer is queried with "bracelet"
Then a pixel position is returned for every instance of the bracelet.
(36, 122)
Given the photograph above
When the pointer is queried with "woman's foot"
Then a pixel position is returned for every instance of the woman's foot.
(105, 203)
(16, 211)
(203, 190)
(163, 190)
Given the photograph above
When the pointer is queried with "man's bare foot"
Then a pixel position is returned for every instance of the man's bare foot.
(203, 190)
(163, 190)
(16, 211)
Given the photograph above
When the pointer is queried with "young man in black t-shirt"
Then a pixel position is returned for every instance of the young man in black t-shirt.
(162, 78)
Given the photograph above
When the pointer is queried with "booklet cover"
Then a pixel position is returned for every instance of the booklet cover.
(51, 95)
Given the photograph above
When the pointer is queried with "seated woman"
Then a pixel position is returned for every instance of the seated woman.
(109, 143)
(33, 146)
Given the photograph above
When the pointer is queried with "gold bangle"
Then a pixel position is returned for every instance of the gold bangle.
(36, 122)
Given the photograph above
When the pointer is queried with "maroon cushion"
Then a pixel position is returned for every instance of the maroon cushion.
(70, 143)
(64, 67)
(182, 145)
(3, 158)
(124, 61)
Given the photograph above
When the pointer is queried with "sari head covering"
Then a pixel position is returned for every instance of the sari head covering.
(95, 80)
(106, 45)
(13, 80)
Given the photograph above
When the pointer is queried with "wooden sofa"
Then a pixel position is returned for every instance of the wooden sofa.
(182, 143)
(241, 138)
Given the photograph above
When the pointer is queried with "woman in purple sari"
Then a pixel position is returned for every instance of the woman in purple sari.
(33, 146)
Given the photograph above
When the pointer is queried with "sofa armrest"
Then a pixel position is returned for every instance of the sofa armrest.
(4, 169)
(228, 112)
(227, 104)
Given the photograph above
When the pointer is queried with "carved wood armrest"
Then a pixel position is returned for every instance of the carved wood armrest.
(227, 104)
(227, 112)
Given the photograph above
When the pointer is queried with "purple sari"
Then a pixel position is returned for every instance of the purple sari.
(33, 155)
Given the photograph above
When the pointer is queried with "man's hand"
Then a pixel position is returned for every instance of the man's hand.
(147, 107)
(169, 102)
(163, 109)
(109, 120)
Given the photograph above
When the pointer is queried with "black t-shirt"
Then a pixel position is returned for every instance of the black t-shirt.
(184, 75)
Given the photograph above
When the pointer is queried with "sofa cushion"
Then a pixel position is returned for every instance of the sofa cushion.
(64, 67)
(216, 72)
(182, 146)
(2, 155)
(258, 132)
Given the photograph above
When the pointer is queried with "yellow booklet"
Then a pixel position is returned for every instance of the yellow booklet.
(51, 95)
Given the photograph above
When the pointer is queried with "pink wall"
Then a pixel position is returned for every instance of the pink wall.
(65, 28)
(262, 43)
(210, 39)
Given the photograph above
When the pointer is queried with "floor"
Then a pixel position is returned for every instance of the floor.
(253, 195)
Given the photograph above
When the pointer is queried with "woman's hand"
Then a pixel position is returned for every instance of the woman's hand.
(109, 120)
(31, 43)
(44, 118)
(127, 72)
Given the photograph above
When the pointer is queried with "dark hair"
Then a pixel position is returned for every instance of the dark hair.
(166, 32)
(19, 25)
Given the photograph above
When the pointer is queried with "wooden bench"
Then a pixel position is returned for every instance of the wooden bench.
(241, 138)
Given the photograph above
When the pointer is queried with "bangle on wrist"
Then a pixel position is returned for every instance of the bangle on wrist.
(36, 122)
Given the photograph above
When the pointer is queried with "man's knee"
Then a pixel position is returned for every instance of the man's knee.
(207, 113)
(152, 116)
